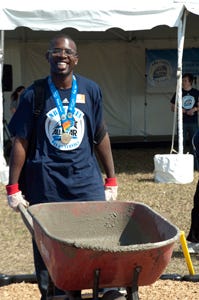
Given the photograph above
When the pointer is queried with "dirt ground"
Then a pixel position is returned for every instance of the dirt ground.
(134, 170)
(160, 290)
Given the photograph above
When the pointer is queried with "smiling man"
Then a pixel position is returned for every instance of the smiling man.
(56, 135)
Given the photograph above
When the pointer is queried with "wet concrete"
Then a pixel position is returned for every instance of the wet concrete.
(111, 226)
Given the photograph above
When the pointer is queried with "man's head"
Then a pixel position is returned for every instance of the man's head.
(187, 81)
(62, 55)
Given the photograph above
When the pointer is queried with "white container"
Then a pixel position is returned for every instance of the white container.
(174, 168)
(4, 173)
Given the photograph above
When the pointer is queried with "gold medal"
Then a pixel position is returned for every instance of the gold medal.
(65, 138)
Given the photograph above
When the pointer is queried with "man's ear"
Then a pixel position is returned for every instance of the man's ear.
(76, 60)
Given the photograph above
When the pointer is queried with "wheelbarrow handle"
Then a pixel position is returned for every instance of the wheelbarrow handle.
(26, 218)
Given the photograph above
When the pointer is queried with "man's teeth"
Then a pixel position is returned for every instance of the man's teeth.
(62, 64)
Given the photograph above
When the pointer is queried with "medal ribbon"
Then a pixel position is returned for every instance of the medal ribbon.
(67, 120)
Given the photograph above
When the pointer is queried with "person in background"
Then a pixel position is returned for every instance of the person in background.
(70, 129)
(14, 99)
(190, 108)
(193, 235)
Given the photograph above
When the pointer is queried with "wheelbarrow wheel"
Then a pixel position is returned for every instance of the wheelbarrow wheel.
(113, 295)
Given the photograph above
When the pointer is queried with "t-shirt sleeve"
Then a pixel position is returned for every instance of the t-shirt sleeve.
(100, 127)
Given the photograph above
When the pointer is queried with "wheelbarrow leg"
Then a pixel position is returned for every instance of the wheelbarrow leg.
(51, 289)
(73, 295)
(96, 284)
(132, 292)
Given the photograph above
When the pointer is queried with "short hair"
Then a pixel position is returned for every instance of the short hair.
(59, 36)
(189, 76)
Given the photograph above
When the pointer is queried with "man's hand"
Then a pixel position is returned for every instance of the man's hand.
(110, 189)
(14, 196)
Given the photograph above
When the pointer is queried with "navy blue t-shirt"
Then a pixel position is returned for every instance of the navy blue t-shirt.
(57, 171)
(189, 100)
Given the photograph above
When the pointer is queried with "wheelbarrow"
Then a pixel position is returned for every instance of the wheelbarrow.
(98, 244)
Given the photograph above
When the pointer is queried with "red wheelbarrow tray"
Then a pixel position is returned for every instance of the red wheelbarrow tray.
(77, 238)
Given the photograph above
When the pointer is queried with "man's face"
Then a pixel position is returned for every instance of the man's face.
(186, 84)
(62, 56)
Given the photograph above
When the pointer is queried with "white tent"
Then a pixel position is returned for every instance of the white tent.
(124, 20)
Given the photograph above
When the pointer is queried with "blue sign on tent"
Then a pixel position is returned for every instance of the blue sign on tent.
(161, 68)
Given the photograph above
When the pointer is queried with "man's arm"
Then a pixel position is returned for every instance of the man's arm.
(172, 107)
(104, 152)
(198, 104)
(17, 159)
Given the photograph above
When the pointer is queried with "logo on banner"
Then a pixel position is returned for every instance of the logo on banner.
(160, 70)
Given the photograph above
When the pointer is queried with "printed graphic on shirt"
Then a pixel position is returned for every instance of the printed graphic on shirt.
(188, 102)
(54, 131)
(65, 100)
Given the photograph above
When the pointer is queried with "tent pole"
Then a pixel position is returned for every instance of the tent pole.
(4, 167)
(181, 36)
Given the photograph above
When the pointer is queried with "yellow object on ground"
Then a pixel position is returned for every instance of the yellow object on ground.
(186, 253)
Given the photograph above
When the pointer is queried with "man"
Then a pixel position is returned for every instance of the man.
(190, 107)
(68, 130)
(193, 235)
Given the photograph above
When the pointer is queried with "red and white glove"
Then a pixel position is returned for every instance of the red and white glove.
(110, 189)
(14, 196)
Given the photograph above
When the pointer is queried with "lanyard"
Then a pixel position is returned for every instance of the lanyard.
(67, 120)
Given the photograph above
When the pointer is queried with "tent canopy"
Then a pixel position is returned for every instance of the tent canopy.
(89, 15)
